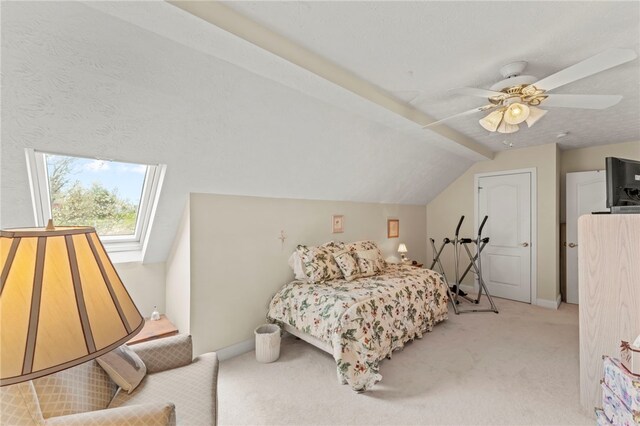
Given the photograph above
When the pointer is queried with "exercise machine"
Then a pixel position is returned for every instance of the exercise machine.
(475, 265)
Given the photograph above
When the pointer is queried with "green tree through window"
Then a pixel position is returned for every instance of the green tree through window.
(86, 192)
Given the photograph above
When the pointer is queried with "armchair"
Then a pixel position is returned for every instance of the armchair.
(176, 390)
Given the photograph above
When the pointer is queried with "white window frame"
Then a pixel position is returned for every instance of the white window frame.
(121, 248)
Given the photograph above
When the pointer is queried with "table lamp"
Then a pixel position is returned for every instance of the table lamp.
(62, 302)
(402, 249)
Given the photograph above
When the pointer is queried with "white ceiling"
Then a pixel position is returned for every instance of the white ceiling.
(148, 82)
(426, 48)
(79, 81)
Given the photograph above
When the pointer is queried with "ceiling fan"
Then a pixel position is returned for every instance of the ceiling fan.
(515, 99)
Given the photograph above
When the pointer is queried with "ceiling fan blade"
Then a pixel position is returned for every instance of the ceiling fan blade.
(472, 91)
(581, 101)
(595, 64)
(471, 111)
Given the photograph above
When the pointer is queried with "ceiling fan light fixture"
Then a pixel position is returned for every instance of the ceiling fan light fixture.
(516, 113)
(505, 127)
(492, 120)
(535, 114)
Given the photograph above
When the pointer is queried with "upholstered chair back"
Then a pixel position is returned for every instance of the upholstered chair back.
(19, 405)
(80, 389)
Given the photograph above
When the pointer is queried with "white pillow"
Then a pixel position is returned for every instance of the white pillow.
(124, 366)
(295, 262)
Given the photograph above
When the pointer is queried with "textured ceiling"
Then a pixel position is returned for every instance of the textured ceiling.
(148, 82)
(426, 48)
(182, 27)
(80, 81)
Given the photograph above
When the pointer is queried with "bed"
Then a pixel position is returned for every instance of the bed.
(361, 322)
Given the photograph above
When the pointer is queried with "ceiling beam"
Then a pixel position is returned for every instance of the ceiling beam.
(229, 20)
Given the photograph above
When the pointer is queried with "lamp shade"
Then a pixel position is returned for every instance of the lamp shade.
(516, 113)
(62, 302)
(492, 121)
(535, 114)
(505, 127)
(402, 248)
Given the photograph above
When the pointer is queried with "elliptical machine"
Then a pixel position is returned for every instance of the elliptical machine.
(475, 264)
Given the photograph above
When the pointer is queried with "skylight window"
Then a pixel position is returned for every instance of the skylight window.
(116, 198)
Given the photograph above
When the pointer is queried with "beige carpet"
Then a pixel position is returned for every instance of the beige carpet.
(517, 367)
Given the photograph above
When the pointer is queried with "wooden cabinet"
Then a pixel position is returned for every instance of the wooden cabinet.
(609, 294)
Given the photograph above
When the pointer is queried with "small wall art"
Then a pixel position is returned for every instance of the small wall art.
(393, 228)
(337, 224)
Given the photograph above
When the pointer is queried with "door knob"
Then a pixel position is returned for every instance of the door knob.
(525, 244)
(572, 245)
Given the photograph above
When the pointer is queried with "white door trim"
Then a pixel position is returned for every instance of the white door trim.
(534, 222)
(576, 183)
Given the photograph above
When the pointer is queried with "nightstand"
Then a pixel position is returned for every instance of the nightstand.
(154, 330)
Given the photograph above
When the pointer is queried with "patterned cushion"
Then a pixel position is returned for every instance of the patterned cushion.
(124, 367)
(368, 245)
(19, 405)
(362, 245)
(157, 414)
(165, 354)
(86, 387)
(348, 264)
(191, 388)
(368, 262)
(319, 264)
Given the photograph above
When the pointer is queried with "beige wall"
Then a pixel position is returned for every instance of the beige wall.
(178, 285)
(457, 199)
(238, 262)
(592, 158)
(145, 283)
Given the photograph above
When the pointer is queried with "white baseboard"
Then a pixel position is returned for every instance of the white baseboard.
(240, 348)
(544, 303)
(237, 349)
(549, 304)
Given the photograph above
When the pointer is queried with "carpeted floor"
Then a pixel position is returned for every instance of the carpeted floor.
(517, 367)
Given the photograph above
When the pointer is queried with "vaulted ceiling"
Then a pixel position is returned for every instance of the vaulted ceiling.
(419, 50)
(151, 83)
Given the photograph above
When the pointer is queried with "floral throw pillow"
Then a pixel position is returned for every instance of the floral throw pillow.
(368, 262)
(347, 264)
(318, 262)
(362, 245)
(369, 245)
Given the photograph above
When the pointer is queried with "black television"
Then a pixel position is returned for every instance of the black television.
(623, 185)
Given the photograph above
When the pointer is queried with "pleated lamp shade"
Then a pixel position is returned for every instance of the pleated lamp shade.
(535, 114)
(61, 302)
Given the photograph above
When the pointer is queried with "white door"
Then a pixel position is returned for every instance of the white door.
(586, 193)
(506, 260)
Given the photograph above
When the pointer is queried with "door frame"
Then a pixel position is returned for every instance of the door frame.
(533, 190)
(569, 176)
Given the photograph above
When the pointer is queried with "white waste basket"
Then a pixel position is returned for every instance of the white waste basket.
(267, 343)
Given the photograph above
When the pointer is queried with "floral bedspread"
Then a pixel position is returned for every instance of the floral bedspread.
(366, 319)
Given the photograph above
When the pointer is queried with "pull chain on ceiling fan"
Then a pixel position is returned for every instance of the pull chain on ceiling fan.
(515, 99)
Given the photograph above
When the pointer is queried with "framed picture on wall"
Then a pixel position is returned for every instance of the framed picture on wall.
(337, 226)
(393, 228)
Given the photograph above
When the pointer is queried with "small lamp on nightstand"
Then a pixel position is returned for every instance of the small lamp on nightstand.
(402, 249)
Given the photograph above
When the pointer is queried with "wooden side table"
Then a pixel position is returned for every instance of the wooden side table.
(154, 330)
